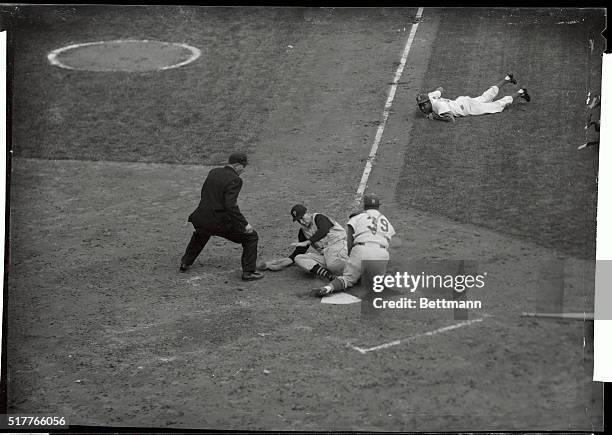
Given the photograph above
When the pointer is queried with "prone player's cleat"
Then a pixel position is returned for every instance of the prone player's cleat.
(510, 78)
(524, 95)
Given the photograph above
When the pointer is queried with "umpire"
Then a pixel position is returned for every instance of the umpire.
(218, 215)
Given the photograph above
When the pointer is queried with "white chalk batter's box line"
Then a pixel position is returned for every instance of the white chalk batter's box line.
(363, 351)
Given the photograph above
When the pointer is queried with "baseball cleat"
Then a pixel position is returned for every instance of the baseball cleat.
(524, 94)
(252, 276)
(510, 78)
(321, 291)
(315, 291)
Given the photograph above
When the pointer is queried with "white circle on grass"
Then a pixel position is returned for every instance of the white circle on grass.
(127, 55)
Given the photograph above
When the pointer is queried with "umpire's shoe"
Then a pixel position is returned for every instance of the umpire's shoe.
(251, 276)
(524, 94)
(183, 267)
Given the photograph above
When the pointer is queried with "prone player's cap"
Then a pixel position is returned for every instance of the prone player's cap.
(297, 212)
(238, 158)
(422, 98)
(371, 201)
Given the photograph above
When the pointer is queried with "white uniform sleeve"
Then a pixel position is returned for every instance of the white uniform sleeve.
(391, 232)
(434, 94)
(357, 222)
(352, 221)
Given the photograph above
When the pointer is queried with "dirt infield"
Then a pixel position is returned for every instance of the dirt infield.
(131, 342)
(104, 330)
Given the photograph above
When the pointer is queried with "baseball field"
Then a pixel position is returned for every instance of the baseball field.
(104, 330)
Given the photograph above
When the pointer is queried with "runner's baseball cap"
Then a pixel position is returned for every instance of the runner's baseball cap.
(371, 201)
(238, 158)
(298, 211)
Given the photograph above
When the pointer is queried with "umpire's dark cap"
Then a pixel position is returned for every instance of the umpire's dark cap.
(238, 158)
(422, 98)
(298, 211)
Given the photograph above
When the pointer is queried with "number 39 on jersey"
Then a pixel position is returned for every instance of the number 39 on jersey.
(380, 224)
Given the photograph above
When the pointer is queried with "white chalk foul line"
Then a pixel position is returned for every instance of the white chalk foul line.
(414, 337)
(385, 116)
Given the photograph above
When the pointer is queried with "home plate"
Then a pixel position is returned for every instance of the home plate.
(340, 299)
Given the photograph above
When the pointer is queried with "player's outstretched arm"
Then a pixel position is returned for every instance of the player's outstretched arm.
(446, 116)
(301, 246)
(276, 264)
(281, 263)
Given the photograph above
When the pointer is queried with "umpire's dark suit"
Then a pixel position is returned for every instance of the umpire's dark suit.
(218, 215)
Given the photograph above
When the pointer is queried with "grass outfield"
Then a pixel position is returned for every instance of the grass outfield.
(519, 171)
(195, 114)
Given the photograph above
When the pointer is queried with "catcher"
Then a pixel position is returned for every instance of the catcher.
(325, 235)
(434, 106)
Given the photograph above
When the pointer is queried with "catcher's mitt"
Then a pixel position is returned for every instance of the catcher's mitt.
(275, 265)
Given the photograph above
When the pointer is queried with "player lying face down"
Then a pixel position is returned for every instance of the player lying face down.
(425, 106)
(433, 106)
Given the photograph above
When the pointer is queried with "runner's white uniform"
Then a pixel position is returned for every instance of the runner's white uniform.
(331, 251)
(372, 233)
(464, 106)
